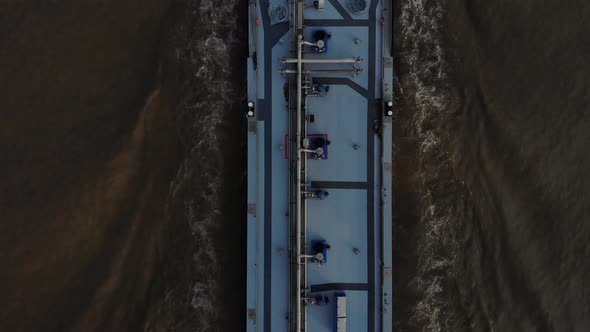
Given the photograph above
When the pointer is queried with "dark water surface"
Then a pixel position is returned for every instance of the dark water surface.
(501, 95)
(524, 129)
(120, 165)
(87, 151)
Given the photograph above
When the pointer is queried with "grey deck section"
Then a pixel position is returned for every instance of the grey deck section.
(352, 216)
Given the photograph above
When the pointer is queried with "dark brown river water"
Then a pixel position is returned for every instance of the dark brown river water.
(87, 150)
(122, 165)
(114, 188)
(500, 99)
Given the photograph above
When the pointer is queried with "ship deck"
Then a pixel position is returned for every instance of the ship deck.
(355, 218)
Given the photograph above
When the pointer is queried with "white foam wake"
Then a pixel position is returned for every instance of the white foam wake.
(425, 57)
(206, 39)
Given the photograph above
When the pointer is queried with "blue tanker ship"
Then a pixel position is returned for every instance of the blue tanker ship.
(319, 216)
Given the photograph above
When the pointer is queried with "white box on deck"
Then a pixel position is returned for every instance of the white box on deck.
(341, 313)
(341, 324)
(341, 306)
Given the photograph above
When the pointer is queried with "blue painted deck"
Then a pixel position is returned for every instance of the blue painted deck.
(357, 173)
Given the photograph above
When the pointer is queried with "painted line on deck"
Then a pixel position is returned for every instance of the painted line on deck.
(267, 165)
(343, 81)
(339, 185)
(371, 214)
(343, 12)
(261, 110)
(336, 23)
(371, 116)
(339, 286)
(276, 32)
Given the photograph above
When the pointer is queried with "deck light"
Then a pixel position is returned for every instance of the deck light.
(250, 112)
(389, 108)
